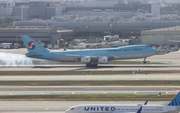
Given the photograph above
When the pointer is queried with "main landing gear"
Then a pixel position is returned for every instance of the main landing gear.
(144, 61)
(92, 64)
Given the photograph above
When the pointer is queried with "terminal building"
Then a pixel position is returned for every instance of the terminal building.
(48, 21)
(27, 10)
(47, 35)
(121, 28)
(161, 36)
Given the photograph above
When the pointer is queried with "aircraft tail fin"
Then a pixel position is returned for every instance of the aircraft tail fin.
(32, 46)
(175, 101)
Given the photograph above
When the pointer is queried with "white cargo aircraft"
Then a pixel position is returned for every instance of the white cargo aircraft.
(172, 107)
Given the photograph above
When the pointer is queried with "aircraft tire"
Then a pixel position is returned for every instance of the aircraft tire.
(144, 62)
(91, 65)
(95, 65)
(88, 65)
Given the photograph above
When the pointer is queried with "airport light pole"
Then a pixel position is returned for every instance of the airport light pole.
(22, 11)
(89, 31)
(54, 38)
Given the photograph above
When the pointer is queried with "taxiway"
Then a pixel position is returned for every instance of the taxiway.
(53, 106)
(174, 76)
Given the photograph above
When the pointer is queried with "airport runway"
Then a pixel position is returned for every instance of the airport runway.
(170, 56)
(171, 61)
(40, 93)
(89, 88)
(173, 76)
(101, 67)
(71, 90)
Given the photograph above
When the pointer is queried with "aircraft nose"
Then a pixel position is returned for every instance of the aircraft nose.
(67, 111)
(155, 51)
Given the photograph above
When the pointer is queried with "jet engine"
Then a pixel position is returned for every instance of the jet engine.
(86, 59)
(103, 60)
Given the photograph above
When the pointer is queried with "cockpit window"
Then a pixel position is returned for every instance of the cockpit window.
(72, 109)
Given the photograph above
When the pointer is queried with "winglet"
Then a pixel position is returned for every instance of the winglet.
(175, 101)
(146, 102)
(139, 110)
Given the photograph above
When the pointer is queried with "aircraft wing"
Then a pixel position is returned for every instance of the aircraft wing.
(140, 109)
(125, 112)
(77, 57)
(73, 57)
(174, 40)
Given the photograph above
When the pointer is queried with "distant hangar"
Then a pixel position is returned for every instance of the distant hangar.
(161, 36)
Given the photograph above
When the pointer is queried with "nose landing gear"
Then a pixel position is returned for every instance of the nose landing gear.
(144, 61)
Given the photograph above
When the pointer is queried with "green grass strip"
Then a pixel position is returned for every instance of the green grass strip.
(107, 72)
(93, 83)
(92, 97)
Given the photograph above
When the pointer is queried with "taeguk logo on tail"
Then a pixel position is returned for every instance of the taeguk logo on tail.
(31, 45)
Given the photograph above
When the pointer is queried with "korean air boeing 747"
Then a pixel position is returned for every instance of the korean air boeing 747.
(91, 57)
(172, 107)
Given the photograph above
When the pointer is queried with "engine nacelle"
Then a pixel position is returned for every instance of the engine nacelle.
(86, 59)
(103, 60)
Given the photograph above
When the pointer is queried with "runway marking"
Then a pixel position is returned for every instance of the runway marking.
(73, 93)
(42, 93)
(11, 93)
(47, 108)
(104, 92)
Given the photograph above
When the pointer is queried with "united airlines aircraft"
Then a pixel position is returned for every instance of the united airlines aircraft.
(172, 107)
(91, 57)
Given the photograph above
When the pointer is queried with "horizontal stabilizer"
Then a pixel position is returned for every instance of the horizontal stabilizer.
(33, 55)
(174, 41)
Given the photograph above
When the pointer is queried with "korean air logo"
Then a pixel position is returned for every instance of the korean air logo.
(31, 45)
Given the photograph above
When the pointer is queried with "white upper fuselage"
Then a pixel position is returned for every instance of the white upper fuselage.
(117, 108)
